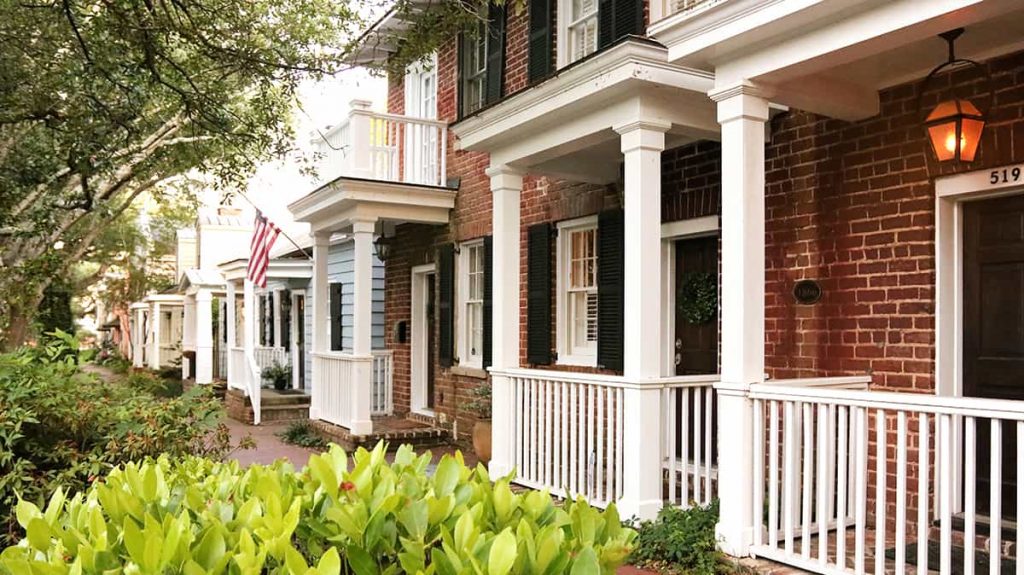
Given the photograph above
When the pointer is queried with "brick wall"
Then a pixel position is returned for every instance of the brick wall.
(852, 205)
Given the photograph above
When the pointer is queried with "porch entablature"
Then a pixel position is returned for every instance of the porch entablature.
(335, 206)
(831, 57)
(565, 126)
(278, 269)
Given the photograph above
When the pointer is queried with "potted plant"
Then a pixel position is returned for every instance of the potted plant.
(278, 375)
(480, 406)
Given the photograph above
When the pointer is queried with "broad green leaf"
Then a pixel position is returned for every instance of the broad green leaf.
(586, 563)
(447, 476)
(330, 563)
(503, 553)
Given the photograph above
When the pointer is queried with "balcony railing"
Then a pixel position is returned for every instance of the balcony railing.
(382, 146)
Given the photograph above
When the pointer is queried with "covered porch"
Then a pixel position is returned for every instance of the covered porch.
(845, 464)
(157, 331)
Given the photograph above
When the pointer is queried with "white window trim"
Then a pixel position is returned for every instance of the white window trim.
(563, 53)
(561, 305)
(461, 293)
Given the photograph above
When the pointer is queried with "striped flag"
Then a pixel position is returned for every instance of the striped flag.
(263, 237)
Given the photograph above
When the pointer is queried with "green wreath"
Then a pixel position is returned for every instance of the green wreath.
(698, 298)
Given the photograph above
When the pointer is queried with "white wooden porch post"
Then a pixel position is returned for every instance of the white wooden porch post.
(319, 315)
(362, 328)
(188, 333)
(359, 127)
(154, 343)
(506, 187)
(642, 144)
(742, 112)
(139, 338)
(232, 337)
(203, 330)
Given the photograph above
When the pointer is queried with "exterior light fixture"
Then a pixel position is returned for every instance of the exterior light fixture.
(954, 126)
(382, 247)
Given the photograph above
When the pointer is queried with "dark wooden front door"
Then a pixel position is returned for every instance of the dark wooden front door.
(300, 337)
(696, 342)
(431, 338)
(993, 337)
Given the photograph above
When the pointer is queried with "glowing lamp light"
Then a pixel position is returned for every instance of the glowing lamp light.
(954, 128)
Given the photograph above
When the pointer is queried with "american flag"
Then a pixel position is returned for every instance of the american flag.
(263, 238)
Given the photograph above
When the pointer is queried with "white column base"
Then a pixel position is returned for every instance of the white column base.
(641, 462)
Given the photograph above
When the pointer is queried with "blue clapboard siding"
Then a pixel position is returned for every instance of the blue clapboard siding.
(340, 266)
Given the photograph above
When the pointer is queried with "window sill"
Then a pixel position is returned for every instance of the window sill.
(469, 371)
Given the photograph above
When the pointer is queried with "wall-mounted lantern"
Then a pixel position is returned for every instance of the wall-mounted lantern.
(954, 125)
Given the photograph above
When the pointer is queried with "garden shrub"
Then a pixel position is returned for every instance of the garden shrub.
(61, 426)
(303, 434)
(681, 541)
(360, 515)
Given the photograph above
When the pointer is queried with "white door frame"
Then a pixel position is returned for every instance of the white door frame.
(418, 354)
(672, 232)
(293, 337)
(951, 193)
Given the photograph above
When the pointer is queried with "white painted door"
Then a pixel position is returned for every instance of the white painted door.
(421, 141)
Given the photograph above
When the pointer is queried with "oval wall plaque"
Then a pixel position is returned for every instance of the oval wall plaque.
(807, 292)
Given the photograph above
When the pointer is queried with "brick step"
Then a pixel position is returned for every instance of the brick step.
(395, 431)
(982, 537)
(276, 413)
(299, 399)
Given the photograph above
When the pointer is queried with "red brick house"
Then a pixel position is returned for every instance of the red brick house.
(707, 249)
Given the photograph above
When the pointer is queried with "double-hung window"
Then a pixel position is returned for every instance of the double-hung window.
(471, 300)
(577, 292)
(582, 29)
(474, 68)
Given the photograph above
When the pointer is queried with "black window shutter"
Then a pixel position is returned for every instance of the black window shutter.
(618, 18)
(495, 52)
(224, 321)
(488, 299)
(335, 313)
(270, 321)
(610, 276)
(286, 320)
(538, 294)
(445, 307)
(460, 104)
(540, 46)
(261, 311)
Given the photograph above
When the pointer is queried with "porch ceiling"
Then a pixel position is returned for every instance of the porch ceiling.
(564, 126)
(336, 205)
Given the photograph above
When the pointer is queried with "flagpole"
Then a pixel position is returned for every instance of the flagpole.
(282, 232)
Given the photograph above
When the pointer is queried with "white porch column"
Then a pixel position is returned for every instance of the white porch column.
(204, 336)
(362, 328)
(139, 338)
(188, 332)
(359, 125)
(742, 112)
(232, 337)
(154, 342)
(506, 188)
(642, 144)
(319, 315)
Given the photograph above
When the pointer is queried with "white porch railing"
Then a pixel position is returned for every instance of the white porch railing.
(689, 444)
(383, 382)
(667, 8)
(236, 357)
(269, 356)
(384, 146)
(826, 502)
(332, 390)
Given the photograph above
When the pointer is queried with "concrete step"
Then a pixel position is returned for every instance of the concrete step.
(396, 431)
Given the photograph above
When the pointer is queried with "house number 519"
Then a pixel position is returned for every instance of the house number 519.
(1004, 176)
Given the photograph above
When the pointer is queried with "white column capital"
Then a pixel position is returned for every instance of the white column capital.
(642, 135)
(742, 100)
(364, 226)
(504, 177)
(322, 237)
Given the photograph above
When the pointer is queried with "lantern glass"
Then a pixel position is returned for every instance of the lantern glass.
(954, 128)
(382, 247)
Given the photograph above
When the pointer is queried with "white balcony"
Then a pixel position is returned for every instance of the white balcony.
(386, 147)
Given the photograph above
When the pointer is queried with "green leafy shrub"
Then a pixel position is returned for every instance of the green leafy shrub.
(60, 426)
(153, 383)
(354, 515)
(681, 541)
(301, 433)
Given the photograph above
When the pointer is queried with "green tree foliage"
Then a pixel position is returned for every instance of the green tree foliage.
(60, 426)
